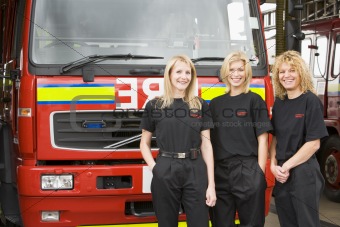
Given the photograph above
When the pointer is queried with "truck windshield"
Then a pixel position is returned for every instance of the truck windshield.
(68, 30)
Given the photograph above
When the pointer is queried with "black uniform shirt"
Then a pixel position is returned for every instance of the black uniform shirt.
(295, 122)
(238, 121)
(177, 128)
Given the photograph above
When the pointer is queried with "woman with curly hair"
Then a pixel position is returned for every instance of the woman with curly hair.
(298, 127)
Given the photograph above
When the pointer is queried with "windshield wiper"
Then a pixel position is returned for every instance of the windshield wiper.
(194, 60)
(98, 58)
(147, 71)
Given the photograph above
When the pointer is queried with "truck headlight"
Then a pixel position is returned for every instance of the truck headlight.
(57, 182)
(50, 216)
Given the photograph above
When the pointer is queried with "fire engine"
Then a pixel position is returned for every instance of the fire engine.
(313, 29)
(75, 76)
(320, 23)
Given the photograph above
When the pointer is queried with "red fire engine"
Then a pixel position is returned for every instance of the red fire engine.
(76, 75)
(321, 50)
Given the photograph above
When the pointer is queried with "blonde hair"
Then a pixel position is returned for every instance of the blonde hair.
(225, 69)
(189, 97)
(294, 59)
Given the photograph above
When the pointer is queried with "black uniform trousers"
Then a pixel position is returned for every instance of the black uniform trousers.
(240, 186)
(177, 181)
(297, 200)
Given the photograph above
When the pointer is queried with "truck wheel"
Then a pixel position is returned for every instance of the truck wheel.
(4, 222)
(2, 217)
(329, 155)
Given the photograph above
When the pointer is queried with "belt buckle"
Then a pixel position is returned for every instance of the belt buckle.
(181, 155)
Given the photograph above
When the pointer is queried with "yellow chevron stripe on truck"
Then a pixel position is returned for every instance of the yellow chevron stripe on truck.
(75, 93)
(210, 91)
(180, 224)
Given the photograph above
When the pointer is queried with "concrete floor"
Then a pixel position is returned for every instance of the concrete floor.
(329, 214)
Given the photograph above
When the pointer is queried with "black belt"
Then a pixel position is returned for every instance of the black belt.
(193, 154)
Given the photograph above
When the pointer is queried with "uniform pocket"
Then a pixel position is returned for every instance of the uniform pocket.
(259, 170)
(159, 161)
(305, 173)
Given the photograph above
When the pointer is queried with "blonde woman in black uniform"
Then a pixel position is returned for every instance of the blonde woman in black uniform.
(240, 144)
(298, 127)
(184, 169)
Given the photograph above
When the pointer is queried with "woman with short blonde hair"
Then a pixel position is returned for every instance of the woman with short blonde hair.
(240, 145)
(225, 69)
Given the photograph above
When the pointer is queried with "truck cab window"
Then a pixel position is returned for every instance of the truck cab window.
(63, 33)
(305, 50)
(320, 56)
(336, 69)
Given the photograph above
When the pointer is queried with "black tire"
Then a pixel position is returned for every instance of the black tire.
(329, 159)
(2, 217)
(4, 222)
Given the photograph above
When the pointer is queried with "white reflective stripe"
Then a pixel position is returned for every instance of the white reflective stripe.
(124, 142)
(147, 177)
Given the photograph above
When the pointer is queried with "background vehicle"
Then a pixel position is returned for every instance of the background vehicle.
(76, 75)
(321, 50)
(313, 28)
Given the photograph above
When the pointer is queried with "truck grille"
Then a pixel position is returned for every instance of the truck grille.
(143, 208)
(118, 129)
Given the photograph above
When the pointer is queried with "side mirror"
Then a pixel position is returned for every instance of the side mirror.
(293, 35)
